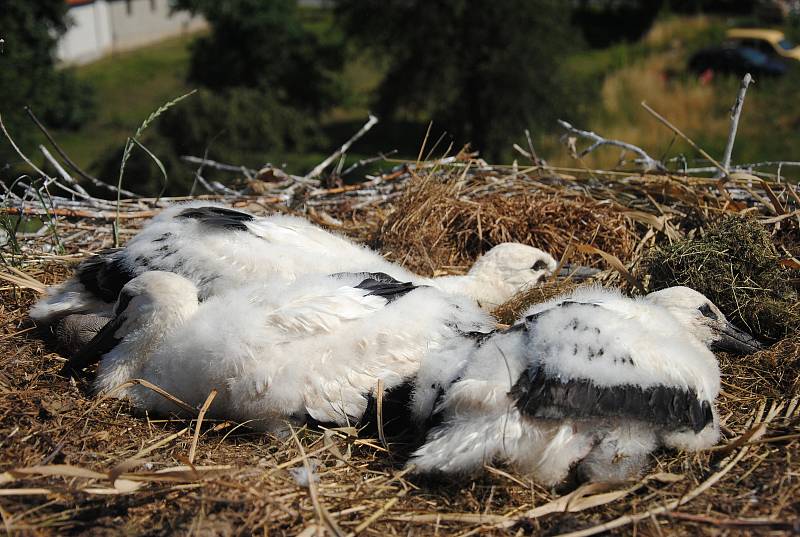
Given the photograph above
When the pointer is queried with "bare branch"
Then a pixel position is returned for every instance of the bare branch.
(649, 162)
(363, 162)
(76, 189)
(77, 169)
(736, 111)
(680, 133)
(218, 165)
(345, 146)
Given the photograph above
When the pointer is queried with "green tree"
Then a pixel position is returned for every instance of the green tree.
(236, 125)
(28, 74)
(262, 44)
(605, 22)
(265, 79)
(483, 70)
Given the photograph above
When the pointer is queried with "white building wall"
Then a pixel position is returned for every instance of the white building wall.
(139, 22)
(89, 34)
(106, 26)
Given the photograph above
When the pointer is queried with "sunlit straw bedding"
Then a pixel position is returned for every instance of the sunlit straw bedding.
(75, 463)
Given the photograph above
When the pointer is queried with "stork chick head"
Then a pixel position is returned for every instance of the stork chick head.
(148, 308)
(704, 320)
(513, 264)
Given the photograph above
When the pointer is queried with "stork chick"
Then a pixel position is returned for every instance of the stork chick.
(592, 379)
(276, 352)
(219, 249)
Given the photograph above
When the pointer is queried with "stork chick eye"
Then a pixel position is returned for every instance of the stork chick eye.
(706, 310)
(539, 265)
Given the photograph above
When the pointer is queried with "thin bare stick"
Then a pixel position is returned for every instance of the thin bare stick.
(19, 151)
(363, 162)
(379, 413)
(200, 416)
(78, 189)
(345, 146)
(323, 515)
(649, 162)
(680, 133)
(531, 150)
(424, 143)
(217, 165)
(736, 111)
(77, 169)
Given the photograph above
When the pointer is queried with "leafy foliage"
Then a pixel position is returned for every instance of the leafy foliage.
(484, 70)
(263, 45)
(235, 125)
(28, 75)
(606, 22)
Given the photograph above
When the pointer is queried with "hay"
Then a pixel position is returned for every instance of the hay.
(509, 312)
(442, 220)
(736, 265)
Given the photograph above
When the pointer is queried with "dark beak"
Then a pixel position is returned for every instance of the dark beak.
(577, 272)
(100, 344)
(735, 341)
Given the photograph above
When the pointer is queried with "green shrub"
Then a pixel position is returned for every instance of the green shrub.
(28, 75)
(239, 125)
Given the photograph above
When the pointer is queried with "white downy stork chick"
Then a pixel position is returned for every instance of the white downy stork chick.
(276, 352)
(219, 249)
(592, 379)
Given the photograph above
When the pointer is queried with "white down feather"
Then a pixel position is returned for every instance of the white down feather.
(643, 343)
(282, 248)
(277, 352)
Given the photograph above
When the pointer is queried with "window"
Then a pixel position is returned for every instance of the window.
(129, 7)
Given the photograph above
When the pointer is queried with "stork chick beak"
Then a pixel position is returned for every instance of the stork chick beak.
(577, 272)
(736, 341)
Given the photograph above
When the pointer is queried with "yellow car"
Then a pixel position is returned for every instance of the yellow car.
(770, 42)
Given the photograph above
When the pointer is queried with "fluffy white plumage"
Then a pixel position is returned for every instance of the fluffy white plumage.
(591, 379)
(220, 249)
(276, 351)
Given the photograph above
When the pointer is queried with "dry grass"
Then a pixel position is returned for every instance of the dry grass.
(78, 465)
(690, 103)
(442, 223)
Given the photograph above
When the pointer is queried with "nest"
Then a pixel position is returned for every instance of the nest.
(442, 221)
(736, 265)
(73, 463)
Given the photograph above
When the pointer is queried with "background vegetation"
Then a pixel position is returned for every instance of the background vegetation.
(283, 85)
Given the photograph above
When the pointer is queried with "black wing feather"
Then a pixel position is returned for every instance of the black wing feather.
(540, 396)
(218, 217)
(381, 284)
(105, 274)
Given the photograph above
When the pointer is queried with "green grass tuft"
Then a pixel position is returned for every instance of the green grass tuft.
(736, 266)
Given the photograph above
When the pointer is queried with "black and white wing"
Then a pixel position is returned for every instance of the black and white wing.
(592, 361)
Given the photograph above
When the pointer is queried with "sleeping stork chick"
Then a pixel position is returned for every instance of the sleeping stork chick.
(220, 249)
(314, 349)
(591, 379)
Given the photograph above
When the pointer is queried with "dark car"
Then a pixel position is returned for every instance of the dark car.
(736, 60)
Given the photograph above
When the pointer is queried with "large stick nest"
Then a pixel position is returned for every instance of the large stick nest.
(77, 464)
